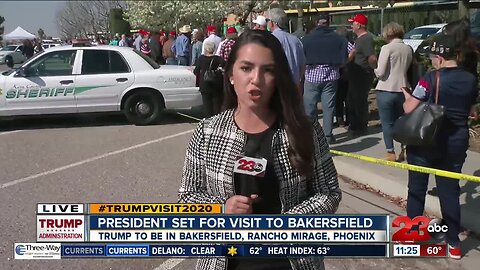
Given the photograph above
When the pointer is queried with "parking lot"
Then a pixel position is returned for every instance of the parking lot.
(84, 159)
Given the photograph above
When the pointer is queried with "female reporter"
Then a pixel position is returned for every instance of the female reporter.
(263, 121)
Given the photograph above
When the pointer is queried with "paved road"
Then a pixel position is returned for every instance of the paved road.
(4, 67)
(105, 159)
(100, 159)
(394, 181)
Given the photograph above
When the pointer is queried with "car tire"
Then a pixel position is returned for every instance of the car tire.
(9, 61)
(143, 108)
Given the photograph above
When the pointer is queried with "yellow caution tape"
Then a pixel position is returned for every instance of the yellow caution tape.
(443, 173)
(410, 167)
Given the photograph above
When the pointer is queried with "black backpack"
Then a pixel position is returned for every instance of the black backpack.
(213, 76)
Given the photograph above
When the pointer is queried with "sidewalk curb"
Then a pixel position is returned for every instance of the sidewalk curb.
(391, 187)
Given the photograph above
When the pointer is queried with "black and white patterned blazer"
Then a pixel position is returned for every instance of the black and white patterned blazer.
(208, 176)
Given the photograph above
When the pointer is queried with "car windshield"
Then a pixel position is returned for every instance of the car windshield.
(421, 33)
(148, 59)
(9, 48)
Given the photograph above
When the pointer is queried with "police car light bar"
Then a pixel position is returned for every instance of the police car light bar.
(81, 42)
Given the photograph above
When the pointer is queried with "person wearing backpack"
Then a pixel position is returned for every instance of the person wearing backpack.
(208, 68)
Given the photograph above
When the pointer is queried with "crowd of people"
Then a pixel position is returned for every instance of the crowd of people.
(272, 82)
(260, 90)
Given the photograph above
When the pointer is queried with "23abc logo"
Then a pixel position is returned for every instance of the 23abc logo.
(419, 229)
(250, 165)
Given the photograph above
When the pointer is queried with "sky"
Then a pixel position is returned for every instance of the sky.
(31, 15)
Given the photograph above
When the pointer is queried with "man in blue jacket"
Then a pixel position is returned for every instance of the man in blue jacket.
(326, 52)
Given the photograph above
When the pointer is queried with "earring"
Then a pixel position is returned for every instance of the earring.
(231, 81)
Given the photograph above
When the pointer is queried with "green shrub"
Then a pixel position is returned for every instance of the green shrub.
(378, 42)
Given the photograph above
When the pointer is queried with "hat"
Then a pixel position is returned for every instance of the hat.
(162, 33)
(231, 30)
(211, 28)
(323, 18)
(359, 18)
(443, 45)
(185, 29)
(172, 33)
(260, 20)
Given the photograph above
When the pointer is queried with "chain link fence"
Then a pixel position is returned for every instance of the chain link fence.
(410, 16)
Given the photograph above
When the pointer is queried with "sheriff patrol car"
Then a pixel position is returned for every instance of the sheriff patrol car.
(81, 79)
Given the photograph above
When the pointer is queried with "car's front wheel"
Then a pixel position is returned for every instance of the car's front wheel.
(143, 108)
(9, 61)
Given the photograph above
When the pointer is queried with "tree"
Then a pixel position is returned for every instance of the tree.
(82, 18)
(2, 20)
(244, 8)
(41, 33)
(117, 23)
(174, 13)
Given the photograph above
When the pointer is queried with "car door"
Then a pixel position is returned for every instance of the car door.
(44, 86)
(18, 56)
(105, 74)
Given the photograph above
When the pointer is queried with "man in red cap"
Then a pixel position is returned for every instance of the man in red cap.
(226, 46)
(167, 49)
(212, 37)
(363, 61)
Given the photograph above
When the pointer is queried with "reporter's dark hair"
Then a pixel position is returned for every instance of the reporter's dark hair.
(286, 100)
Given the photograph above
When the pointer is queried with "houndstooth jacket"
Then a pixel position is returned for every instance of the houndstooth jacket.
(208, 177)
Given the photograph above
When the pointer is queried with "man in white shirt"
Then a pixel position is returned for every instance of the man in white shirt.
(123, 42)
(212, 37)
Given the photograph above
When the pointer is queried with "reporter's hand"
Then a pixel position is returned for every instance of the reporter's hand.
(239, 204)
